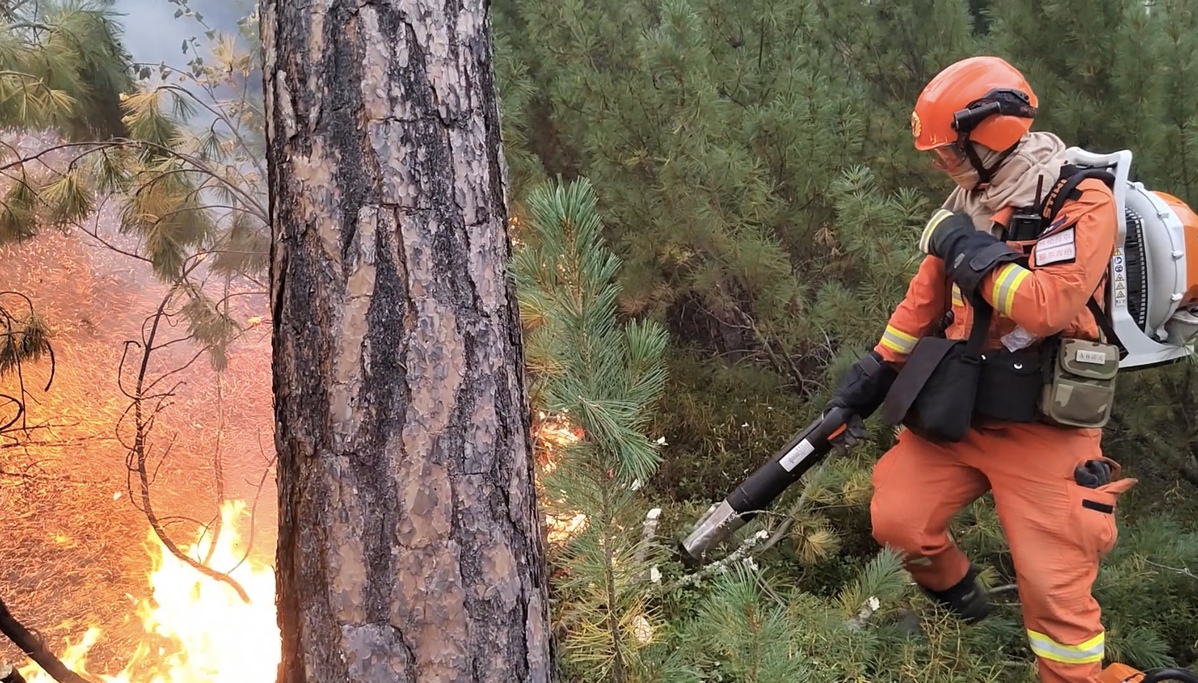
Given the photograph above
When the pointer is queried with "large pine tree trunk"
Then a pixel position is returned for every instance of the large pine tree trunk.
(409, 544)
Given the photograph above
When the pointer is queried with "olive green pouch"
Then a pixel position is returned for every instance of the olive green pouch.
(1081, 387)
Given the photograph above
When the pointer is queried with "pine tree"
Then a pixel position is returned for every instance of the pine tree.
(623, 611)
(62, 67)
(191, 193)
(605, 378)
(1095, 68)
(1175, 73)
(890, 50)
(725, 145)
(778, 133)
(408, 544)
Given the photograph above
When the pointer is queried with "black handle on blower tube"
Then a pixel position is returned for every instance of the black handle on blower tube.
(789, 464)
(764, 485)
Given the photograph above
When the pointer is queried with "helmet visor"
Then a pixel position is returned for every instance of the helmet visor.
(948, 158)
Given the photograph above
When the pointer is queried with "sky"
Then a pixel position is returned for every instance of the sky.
(153, 34)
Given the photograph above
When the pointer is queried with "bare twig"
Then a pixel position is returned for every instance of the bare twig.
(737, 555)
(249, 544)
(1183, 570)
(218, 467)
(138, 453)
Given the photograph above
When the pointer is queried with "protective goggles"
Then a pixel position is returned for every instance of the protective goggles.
(948, 157)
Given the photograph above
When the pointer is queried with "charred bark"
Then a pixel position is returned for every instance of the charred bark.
(409, 544)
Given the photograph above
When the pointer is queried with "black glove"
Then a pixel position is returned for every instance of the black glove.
(968, 254)
(861, 391)
(854, 431)
(865, 385)
(1092, 474)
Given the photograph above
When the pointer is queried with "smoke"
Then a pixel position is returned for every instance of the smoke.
(153, 34)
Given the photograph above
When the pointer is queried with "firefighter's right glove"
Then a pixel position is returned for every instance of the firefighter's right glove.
(854, 431)
(862, 390)
(968, 254)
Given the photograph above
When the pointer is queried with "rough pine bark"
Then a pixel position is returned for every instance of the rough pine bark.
(409, 543)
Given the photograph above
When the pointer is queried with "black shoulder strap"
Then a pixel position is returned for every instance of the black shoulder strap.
(1066, 188)
(1107, 329)
(983, 313)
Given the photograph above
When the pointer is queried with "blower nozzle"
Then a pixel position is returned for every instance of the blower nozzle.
(757, 492)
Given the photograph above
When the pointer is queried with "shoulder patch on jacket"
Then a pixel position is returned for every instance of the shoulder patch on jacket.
(1060, 247)
(1056, 225)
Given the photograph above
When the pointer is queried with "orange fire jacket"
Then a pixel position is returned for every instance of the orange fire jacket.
(1067, 266)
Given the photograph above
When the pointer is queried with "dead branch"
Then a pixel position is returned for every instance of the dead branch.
(218, 466)
(736, 556)
(33, 646)
(249, 544)
(138, 455)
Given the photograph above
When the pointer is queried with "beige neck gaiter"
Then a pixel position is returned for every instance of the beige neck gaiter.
(1039, 155)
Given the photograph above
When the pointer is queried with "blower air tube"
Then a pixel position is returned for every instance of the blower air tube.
(764, 485)
(1161, 675)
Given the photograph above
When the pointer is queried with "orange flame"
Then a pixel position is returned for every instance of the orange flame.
(219, 638)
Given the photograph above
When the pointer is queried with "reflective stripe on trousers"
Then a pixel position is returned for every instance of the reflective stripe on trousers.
(1091, 650)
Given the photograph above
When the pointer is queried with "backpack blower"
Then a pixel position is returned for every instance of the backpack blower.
(1152, 284)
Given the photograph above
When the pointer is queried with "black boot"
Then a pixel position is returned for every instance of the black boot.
(966, 599)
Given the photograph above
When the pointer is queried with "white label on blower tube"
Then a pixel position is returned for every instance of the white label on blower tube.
(801, 450)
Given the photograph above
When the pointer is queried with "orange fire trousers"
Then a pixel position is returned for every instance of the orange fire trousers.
(1057, 530)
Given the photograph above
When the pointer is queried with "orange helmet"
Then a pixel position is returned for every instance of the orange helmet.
(982, 99)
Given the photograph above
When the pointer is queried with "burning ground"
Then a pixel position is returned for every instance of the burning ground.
(82, 565)
(77, 548)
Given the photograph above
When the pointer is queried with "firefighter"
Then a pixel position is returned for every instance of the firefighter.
(1054, 490)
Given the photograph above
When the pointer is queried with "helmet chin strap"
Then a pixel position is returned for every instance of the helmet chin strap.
(985, 175)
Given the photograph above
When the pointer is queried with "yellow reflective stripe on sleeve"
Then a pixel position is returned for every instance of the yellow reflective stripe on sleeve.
(898, 341)
(1006, 284)
(958, 300)
(1092, 650)
(930, 227)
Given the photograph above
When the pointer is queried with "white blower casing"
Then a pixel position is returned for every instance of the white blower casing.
(1152, 303)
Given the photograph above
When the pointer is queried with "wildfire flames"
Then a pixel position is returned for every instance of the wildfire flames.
(208, 633)
(211, 633)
